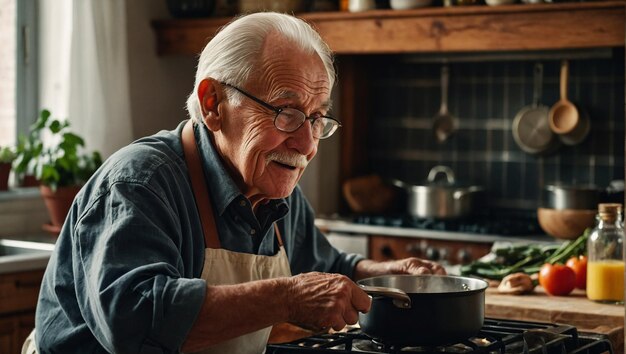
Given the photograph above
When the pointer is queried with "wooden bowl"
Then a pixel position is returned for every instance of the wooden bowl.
(368, 194)
(565, 223)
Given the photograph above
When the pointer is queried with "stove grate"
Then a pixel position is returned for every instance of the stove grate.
(496, 336)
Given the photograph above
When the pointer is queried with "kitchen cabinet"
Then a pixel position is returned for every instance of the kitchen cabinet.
(14, 330)
(18, 300)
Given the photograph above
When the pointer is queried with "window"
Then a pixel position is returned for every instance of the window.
(18, 68)
(8, 25)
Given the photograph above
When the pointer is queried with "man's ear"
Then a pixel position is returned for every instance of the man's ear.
(209, 95)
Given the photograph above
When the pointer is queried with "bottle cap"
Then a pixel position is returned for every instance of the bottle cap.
(609, 212)
(609, 208)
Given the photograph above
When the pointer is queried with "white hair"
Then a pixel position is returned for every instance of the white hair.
(234, 51)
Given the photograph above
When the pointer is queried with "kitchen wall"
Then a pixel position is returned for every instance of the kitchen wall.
(158, 85)
(485, 96)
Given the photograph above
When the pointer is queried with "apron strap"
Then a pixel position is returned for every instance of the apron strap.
(198, 184)
(278, 237)
(200, 191)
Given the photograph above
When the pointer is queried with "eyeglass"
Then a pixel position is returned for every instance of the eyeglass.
(289, 120)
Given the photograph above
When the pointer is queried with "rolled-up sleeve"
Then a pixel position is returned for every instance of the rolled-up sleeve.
(135, 290)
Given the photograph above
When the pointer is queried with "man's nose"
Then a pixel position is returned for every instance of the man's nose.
(302, 139)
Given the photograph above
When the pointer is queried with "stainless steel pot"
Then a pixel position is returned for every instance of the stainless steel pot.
(423, 309)
(442, 199)
(561, 196)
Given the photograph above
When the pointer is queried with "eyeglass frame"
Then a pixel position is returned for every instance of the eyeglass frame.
(279, 110)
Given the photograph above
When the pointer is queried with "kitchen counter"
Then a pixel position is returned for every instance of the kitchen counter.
(345, 226)
(24, 254)
(574, 309)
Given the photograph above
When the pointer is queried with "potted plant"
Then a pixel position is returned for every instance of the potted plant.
(59, 164)
(7, 155)
(28, 148)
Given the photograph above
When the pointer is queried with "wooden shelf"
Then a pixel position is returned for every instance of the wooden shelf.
(436, 30)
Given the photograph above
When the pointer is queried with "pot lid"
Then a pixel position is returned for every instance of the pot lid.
(440, 177)
(571, 187)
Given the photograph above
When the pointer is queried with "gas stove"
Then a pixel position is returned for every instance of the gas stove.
(502, 222)
(496, 336)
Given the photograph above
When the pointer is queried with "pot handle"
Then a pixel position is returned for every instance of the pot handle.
(461, 193)
(400, 184)
(432, 175)
(400, 298)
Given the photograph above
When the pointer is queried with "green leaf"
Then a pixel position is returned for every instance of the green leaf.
(55, 126)
(63, 162)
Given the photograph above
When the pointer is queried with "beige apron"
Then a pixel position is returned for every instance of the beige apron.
(223, 267)
(29, 346)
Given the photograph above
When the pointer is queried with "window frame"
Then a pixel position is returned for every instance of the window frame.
(27, 65)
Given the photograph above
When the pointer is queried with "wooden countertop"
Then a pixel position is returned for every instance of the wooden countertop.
(574, 309)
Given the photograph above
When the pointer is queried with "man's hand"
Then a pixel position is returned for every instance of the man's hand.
(415, 266)
(322, 300)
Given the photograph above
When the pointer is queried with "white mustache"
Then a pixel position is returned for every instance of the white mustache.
(290, 159)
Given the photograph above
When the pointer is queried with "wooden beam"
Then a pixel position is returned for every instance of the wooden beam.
(437, 30)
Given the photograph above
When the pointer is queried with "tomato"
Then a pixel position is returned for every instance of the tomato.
(579, 266)
(557, 279)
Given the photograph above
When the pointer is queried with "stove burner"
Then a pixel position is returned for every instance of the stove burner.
(493, 222)
(496, 336)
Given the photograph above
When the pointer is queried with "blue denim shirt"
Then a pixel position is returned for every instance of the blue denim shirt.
(125, 273)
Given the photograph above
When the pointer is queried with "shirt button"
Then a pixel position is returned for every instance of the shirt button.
(237, 218)
(252, 231)
(242, 202)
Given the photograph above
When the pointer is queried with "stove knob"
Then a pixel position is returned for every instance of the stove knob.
(464, 256)
(386, 251)
(414, 249)
(432, 254)
(444, 254)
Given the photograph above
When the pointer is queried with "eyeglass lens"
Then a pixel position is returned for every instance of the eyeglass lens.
(289, 120)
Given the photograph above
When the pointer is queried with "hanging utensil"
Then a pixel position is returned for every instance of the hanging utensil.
(531, 129)
(565, 118)
(444, 124)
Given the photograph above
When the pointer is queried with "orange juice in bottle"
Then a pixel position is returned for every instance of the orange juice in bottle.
(605, 267)
(605, 280)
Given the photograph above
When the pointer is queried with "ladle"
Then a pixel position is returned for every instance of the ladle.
(444, 124)
(565, 118)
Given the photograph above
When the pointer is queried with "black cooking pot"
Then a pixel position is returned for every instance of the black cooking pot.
(423, 309)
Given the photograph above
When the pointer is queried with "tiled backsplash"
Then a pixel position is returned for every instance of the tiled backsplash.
(485, 98)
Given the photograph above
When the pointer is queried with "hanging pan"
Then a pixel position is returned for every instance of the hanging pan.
(531, 127)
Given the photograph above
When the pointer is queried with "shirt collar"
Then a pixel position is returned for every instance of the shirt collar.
(220, 184)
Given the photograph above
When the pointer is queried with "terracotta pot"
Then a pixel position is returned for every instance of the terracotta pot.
(59, 202)
(29, 181)
(5, 170)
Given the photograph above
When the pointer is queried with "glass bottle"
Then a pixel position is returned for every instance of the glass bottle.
(605, 267)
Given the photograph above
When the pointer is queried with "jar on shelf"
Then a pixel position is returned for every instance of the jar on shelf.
(605, 247)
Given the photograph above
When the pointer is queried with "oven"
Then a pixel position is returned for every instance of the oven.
(496, 336)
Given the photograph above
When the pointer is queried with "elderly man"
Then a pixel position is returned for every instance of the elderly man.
(199, 239)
